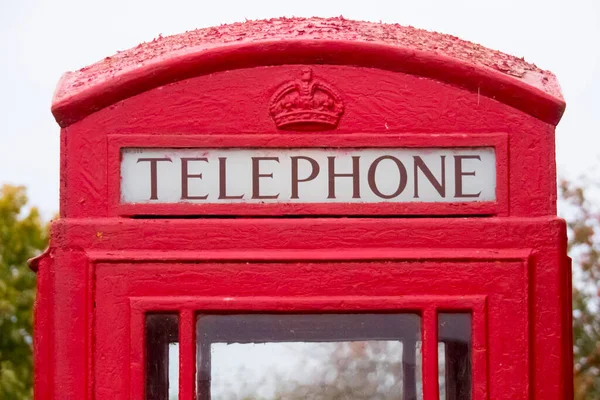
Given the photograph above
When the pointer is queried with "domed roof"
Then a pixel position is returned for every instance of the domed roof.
(308, 40)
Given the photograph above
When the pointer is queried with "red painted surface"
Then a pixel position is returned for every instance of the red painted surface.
(109, 263)
(308, 41)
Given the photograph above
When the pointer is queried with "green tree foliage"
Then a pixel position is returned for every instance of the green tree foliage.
(22, 236)
(583, 219)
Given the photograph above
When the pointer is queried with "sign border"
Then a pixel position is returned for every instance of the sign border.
(499, 141)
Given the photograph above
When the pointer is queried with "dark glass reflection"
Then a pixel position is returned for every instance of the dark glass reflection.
(294, 356)
(454, 353)
(162, 361)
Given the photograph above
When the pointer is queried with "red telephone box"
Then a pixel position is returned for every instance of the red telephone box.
(306, 208)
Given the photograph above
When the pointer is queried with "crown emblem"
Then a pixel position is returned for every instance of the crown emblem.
(306, 104)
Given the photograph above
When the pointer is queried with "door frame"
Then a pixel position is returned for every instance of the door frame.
(426, 305)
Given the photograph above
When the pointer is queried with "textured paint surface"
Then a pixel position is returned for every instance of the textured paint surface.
(308, 41)
(282, 29)
(108, 263)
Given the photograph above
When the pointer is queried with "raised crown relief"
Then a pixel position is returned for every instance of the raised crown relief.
(306, 104)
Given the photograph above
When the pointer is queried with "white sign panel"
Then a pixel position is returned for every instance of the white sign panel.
(360, 175)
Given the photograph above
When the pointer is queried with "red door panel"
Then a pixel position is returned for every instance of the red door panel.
(491, 286)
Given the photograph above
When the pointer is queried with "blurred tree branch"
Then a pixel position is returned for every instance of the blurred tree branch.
(22, 236)
(583, 221)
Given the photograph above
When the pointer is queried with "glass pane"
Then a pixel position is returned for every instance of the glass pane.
(173, 371)
(335, 356)
(419, 369)
(441, 370)
(454, 333)
(162, 356)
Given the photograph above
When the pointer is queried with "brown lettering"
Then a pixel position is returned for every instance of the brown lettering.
(354, 175)
(315, 169)
(439, 186)
(154, 174)
(373, 182)
(459, 173)
(256, 175)
(223, 181)
(185, 178)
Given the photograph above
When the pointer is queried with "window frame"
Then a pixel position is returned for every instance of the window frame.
(428, 307)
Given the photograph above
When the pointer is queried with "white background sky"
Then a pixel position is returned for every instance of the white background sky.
(39, 40)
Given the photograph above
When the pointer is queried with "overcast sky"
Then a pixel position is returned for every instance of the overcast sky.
(39, 40)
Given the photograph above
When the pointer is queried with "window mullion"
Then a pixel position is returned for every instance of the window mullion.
(430, 354)
(187, 355)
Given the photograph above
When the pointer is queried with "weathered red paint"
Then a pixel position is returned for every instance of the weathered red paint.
(108, 262)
